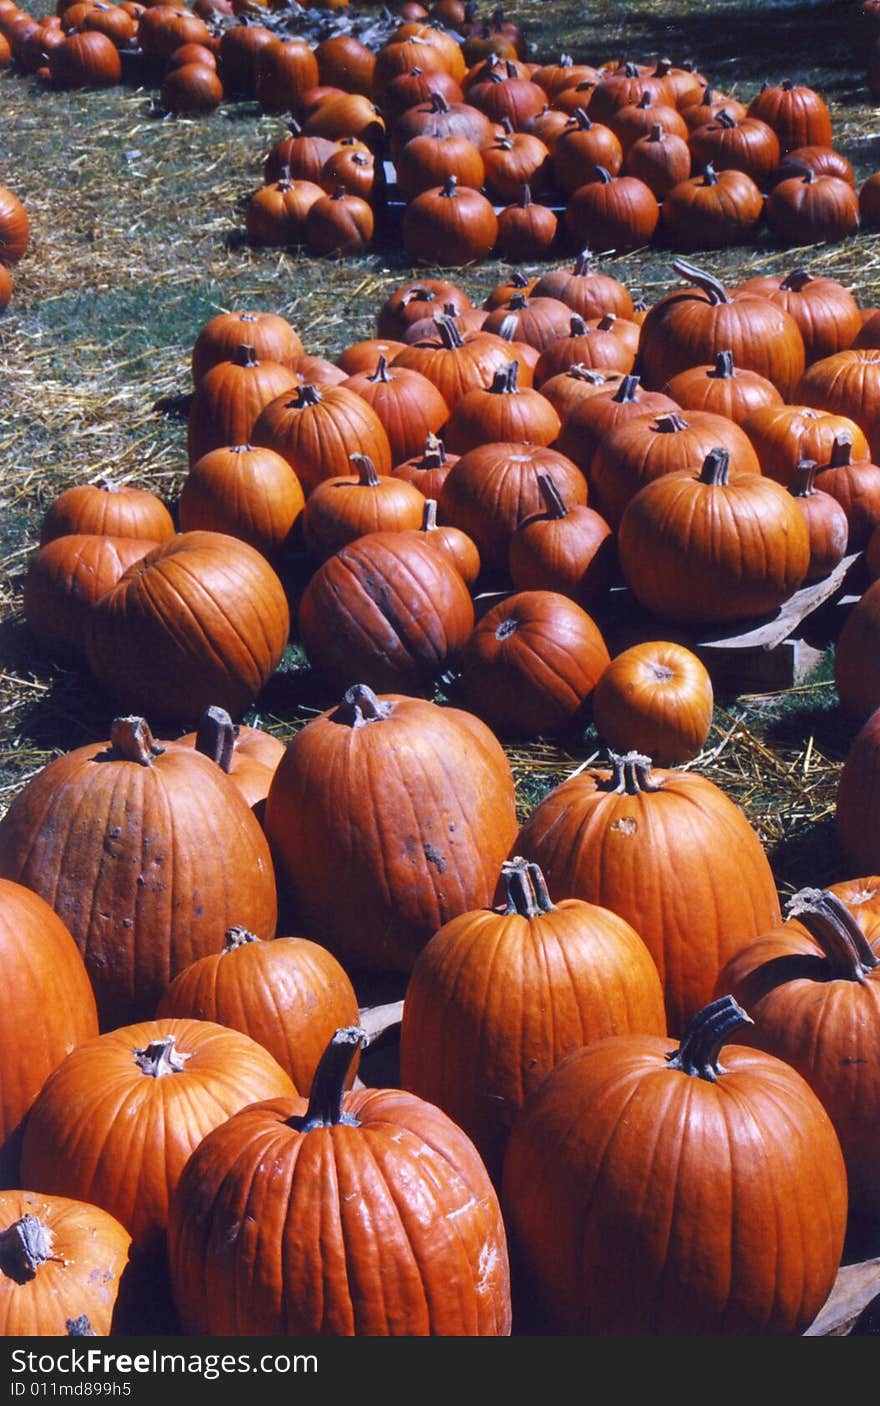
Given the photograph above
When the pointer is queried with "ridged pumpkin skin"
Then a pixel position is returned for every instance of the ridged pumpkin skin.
(46, 1008)
(375, 1218)
(108, 1130)
(386, 609)
(317, 428)
(271, 336)
(245, 492)
(64, 580)
(694, 547)
(501, 995)
(647, 1198)
(434, 799)
(812, 988)
(145, 856)
(846, 383)
(858, 796)
(857, 668)
(289, 995)
(669, 852)
(50, 1282)
(203, 619)
(228, 399)
(107, 509)
(783, 435)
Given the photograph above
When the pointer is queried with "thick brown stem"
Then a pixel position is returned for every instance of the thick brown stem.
(710, 285)
(438, 102)
(671, 423)
(581, 121)
(429, 515)
(307, 394)
(724, 368)
(704, 1035)
(827, 919)
(245, 355)
(381, 371)
(841, 450)
(796, 281)
(576, 326)
(328, 1085)
(360, 706)
(434, 452)
(716, 468)
(627, 391)
(367, 475)
(630, 774)
(161, 1057)
(132, 740)
(802, 484)
(505, 379)
(525, 888)
(725, 119)
(216, 736)
(448, 332)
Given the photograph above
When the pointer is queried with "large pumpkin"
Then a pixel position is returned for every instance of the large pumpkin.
(389, 816)
(655, 1188)
(668, 851)
(500, 995)
(695, 546)
(46, 1007)
(358, 621)
(202, 619)
(366, 1214)
(145, 851)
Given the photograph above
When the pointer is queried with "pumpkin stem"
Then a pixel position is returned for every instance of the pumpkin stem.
(580, 120)
(716, 468)
(307, 394)
(711, 286)
(216, 736)
(132, 739)
(381, 371)
(517, 301)
(107, 485)
(630, 774)
(161, 1057)
(360, 706)
(710, 175)
(434, 452)
(429, 515)
(724, 368)
(656, 133)
(367, 475)
(802, 484)
(645, 100)
(576, 326)
(553, 500)
(328, 1084)
(841, 450)
(519, 280)
(505, 379)
(606, 322)
(525, 888)
(508, 328)
(671, 423)
(80, 1327)
(703, 1037)
(583, 264)
(525, 198)
(605, 176)
(448, 332)
(449, 187)
(24, 1246)
(827, 919)
(236, 937)
(438, 102)
(725, 118)
(589, 373)
(796, 280)
(662, 67)
(294, 127)
(245, 355)
(627, 390)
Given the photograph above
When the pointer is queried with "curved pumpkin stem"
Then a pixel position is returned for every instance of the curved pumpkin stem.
(24, 1246)
(726, 119)
(827, 919)
(216, 736)
(716, 468)
(710, 175)
(630, 775)
(579, 121)
(434, 452)
(132, 740)
(236, 937)
(576, 326)
(796, 281)
(437, 102)
(703, 1037)
(328, 1085)
(360, 706)
(161, 1057)
(367, 475)
(448, 332)
(716, 291)
(582, 372)
(605, 176)
(553, 500)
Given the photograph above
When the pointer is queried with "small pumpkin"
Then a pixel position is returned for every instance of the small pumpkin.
(655, 697)
(342, 509)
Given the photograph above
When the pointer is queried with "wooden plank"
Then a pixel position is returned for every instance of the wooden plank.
(381, 1021)
(855, 1288)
